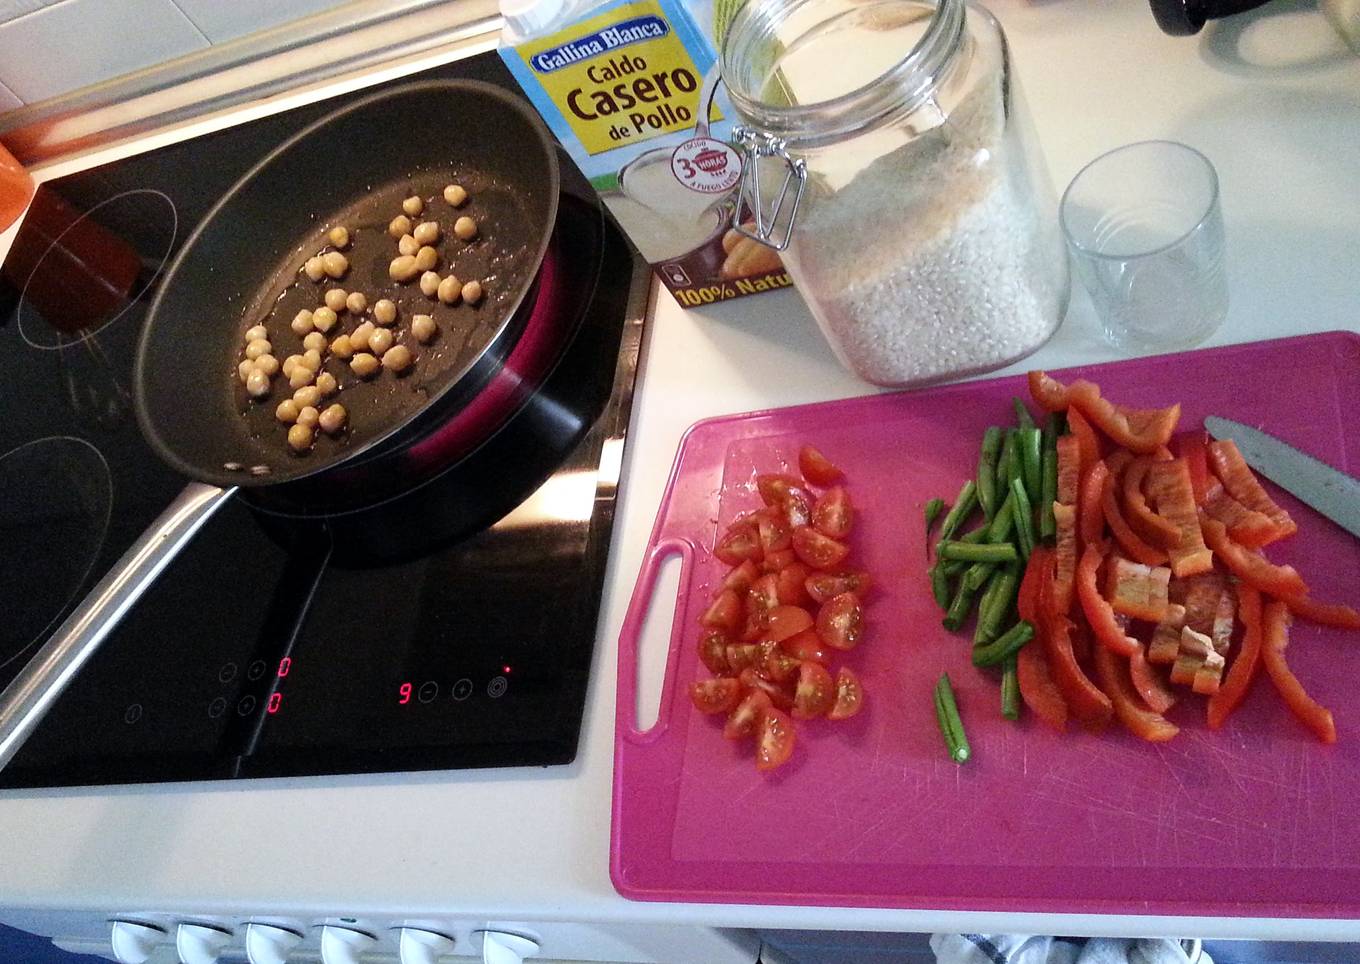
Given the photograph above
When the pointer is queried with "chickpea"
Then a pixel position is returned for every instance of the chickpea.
(408, 244)
(426, 258)
(364, 365)
(455, 195)
(324, 319)
(357, 302)
(465, 228)
(397, 359)
(289, 363)
(450, 290)
(332, 420)
(308, 416)
(257, 348)
(336, 299)
(380, 341)
(336, 264)
(314, 267)
(429, 283)
(303, 322)
(326, 384)
(399, 225)
(257, 384)
(385, 312)
(267, 364)
(413, 206)
(302, 375)
(314, 340)
(403, 269)
(244, 369)
(307, 395)
(472, 292)
(300, 438)
(358, 338)
(287, 412)
(339, 236)
(257, 333)
(342, 348)
(311, 358)
(423, 328)
(426, 232)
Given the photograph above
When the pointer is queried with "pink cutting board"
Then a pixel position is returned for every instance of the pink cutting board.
(1258, 819)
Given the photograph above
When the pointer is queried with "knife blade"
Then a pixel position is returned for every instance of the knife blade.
(1330, 491)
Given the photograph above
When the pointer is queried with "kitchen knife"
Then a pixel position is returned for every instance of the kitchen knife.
(1331, 492)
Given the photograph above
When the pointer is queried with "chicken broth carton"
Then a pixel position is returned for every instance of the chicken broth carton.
(630, 88)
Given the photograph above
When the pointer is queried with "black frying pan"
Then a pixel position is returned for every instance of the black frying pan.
(241, 267)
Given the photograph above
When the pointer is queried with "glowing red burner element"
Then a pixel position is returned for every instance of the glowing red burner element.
(274, 700)
(285, 665)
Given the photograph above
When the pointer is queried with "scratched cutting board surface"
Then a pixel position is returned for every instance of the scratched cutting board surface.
(1257, 819)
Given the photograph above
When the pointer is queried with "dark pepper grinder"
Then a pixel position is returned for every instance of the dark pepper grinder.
(1181, 18)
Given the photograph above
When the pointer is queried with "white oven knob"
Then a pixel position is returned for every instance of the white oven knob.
(344, 945)
(498, 947)
(133, 942)
(267, 944)
(422, 946)
(200, 944)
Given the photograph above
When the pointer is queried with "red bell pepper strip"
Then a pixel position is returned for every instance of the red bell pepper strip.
(1069, 468)
(1193, 446)
(1139, 430)
(1039, 568)
(1048, 392)
(1088, 442)
(1149, 685)
(1243, 486)
(1246, 526)
(1084, 699)
(1154, 529)
(1099, 615)
(1324, 614)
(1128, 539)
(1137, 590)
(1113, 674)
(1037, 688)
(1091, 516)
(1245, 667)
(1170, 486)
(1281, 582)
(1065, 518)
(1309, 712)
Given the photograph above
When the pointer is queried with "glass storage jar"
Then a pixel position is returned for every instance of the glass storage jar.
(889, 154)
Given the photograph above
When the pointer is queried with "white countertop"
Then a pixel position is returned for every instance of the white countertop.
(1273, 99)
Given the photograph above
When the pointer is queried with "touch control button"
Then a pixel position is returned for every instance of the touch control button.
(245, 706)
(497, 687)
(462, 689)
(428, 691)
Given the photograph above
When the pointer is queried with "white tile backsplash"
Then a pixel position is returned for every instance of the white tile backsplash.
(227, 19)
(8, 99)
(78, 42)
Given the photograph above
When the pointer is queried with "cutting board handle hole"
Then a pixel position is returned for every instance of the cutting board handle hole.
(654, 641)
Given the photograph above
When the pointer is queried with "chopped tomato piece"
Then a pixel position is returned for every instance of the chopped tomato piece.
(849, 696)
(1149, 525)
(713, 652)
(1099, 615)
(1037, 688)
(1091, 514)
(817, 550)
(832, 514)
(1278, 581)
(1194, 448)
(817, 468)
(762, 597)
(1048, 392)
(1069, 468)
(741, 655)
(718, 695)
(1242, 485)
(786, 621)
(739, 579)
(723, 613)
(1246, 526)
(797, 509)
(774, 664)
(1084, 699)
(780, 694)
(1137, 590)
(815, 692)
(1065, 516)
(1165, 644)
(774, 739)
(778, 561)
(1113, 674)
(1169, 485)
(822, 586)
(1149, 685)
(1139, 430)
(1245, 667)
(775, 487)
(739, 543)
(1310, 713)
(840, 621)
(775, 535)
(790, 584)
(1088, 442)
(1324, 614)
(807, 646)
(1128, 539)
(743, 720)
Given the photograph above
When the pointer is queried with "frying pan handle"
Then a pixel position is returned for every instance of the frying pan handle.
(31, 694)
(631, 633)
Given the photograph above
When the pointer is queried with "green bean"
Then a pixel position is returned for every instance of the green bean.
(939, 585)
(1010, 690)
(1022, 416)
(986, 473)
(1024, 518)
(951, 725)
(977, 574)
(933, 509)
(1048, 484)
(991, 552)
(959, 607)
(1003, 462)
(963, 508)
(1031, 457)
(1016, 469)
(1004, 523)
(1007, 644)
(996, 603)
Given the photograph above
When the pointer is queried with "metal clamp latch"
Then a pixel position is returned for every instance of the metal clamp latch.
(753, 146)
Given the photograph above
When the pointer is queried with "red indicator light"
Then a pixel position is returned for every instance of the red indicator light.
(285, 665)
(505, 669)
(405, 691)
(274, 700)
